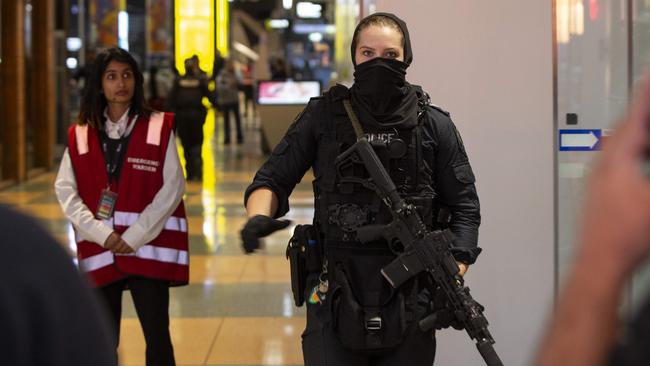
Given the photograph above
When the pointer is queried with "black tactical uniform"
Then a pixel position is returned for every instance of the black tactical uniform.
(186, 101)
(357, 318)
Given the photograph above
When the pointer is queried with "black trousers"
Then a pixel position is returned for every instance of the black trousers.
(189, 127)
(151, 300)
(227, 109)
(321, 347)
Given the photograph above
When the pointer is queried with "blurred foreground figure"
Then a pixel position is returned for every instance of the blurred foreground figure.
(48, 314)
(614, 241)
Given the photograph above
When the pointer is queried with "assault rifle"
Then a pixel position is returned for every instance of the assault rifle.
(418, 249)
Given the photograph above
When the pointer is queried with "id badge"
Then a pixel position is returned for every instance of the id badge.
(106, 206)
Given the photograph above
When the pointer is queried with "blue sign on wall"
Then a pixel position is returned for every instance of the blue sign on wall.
(580, 140)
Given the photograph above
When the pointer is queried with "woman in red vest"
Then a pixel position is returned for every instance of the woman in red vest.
(121, 185)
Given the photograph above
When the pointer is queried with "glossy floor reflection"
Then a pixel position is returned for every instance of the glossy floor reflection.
(237, 309)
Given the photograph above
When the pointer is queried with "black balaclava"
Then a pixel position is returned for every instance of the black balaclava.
(380, 91)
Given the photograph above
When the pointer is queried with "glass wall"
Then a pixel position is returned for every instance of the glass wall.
(592, 91)
(603, 49)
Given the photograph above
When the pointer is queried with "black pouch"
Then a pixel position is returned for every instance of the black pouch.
(301, 250)
(373, 327)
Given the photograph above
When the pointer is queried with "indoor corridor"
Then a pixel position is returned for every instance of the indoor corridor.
(238, 309)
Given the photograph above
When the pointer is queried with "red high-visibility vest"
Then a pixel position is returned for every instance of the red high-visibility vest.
(166, 257)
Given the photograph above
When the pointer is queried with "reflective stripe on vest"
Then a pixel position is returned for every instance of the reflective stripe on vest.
(121, 218)
(81, 136)
(150, 252)
(155, 128)
(173, 223)
(154, 132)
(96, 261)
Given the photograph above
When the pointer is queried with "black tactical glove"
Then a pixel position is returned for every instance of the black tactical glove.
(258, 227)
(446, 318)
(442, 314)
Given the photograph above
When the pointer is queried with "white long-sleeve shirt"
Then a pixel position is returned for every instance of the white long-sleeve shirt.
(150, 222)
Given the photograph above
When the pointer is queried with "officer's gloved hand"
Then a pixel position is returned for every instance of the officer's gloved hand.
(444, 313)
(258, 227)
(445, 318)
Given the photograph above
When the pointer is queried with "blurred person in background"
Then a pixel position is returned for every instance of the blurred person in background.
(186, 101)
(195, 65)
(614, 241)
(121, 186)
(160, 82)
(82, 74)
(227, 88)
(279, 69)
(153, 98)
(247, 86)
(217, 65)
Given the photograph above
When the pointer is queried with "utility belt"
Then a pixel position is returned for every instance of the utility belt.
(362, 320)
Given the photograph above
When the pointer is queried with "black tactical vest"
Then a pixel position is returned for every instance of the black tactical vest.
(342, 206)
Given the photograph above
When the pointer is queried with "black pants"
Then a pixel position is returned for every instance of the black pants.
(226, 109)
(321, 347)
(249, 97)
(151, 300)
(189, 127)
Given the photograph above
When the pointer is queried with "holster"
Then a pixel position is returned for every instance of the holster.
(303, 253)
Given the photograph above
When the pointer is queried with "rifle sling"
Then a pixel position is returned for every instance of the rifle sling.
(353, 118)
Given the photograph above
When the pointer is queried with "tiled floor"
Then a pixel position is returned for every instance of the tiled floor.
(237, 309)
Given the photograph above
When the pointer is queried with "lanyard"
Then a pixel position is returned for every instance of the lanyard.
(114, 150)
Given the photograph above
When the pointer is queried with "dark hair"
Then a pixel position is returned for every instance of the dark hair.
(376, 20)
(93, 101)
(189, 69)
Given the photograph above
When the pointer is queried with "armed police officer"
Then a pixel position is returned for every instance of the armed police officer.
(354, 317)
(186, 101)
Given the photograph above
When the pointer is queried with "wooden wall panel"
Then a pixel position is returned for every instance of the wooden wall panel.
(13, 91)
(43, 83)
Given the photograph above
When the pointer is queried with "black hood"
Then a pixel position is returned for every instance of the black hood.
(408, 51)
(380, 92)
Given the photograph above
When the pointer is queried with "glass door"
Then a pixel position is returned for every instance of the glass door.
(603, 50)
(592, 83)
